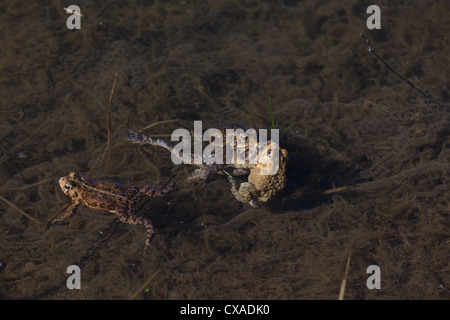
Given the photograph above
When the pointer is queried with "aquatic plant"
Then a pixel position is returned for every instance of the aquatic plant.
(273, 123)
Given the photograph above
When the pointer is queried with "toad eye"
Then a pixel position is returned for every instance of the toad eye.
(68, 186)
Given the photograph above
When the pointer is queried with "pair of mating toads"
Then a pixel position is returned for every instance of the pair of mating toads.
(112, 197)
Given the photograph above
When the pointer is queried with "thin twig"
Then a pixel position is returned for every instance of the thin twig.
(382, 148)
(73, 12)
(20, 210)
(161, 135)
(372, 50)
(26, 186)
(336, 190)
(161, 122)
(144, 285)
(108, 120)
(344, 281)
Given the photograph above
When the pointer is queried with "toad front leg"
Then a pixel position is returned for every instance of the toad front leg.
(247, 193)
(69, 212)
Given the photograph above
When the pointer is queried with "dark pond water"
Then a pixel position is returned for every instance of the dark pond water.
(345, 119)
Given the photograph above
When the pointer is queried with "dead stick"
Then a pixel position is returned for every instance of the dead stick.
(372, 50)
(344, 281)
(26, 186)
(161, 122)
(335, 190)
(144, 285)
(108, 120)
(73, 12)
(20, 210)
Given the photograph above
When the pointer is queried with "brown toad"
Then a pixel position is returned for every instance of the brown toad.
(266, 179)
(204, 171)
(262, 185)
(109, 196)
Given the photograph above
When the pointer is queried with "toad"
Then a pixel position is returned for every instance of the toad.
(261, 186)
(108, 196)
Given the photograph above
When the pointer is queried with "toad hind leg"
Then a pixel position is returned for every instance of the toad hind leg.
(134, 194)
(155, 192)
(245, 193)
(135, 219)
(68, 213)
